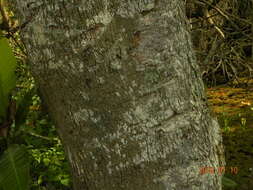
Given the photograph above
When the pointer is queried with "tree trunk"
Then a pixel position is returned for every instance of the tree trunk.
(122, 85)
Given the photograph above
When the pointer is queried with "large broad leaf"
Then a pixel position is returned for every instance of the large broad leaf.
(7, 75)
(14, 167)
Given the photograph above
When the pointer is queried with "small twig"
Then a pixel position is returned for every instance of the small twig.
(226, 15)
(210, 20)
(202, 19)
(214, 7)
(40, 136)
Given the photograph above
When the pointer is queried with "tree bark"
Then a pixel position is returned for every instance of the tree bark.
(122, 85)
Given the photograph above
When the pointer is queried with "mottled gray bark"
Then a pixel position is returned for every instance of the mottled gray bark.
(121, 82)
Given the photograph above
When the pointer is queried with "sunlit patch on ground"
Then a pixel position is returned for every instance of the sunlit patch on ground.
(233, 107)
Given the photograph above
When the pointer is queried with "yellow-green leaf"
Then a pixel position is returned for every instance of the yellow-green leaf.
(7, 75)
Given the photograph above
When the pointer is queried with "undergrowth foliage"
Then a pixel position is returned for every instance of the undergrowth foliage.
(31, 154)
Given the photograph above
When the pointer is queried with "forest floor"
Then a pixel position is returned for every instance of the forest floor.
(233, 106)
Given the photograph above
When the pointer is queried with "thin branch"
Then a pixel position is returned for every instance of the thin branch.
(40, 136)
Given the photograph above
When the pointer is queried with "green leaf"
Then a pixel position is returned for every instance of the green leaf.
(7, 75)
(65, 181)
(14, 167)
(40, 180)
(226, 182)
(46, 161)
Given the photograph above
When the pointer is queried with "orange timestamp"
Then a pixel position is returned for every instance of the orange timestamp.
(220, 170)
